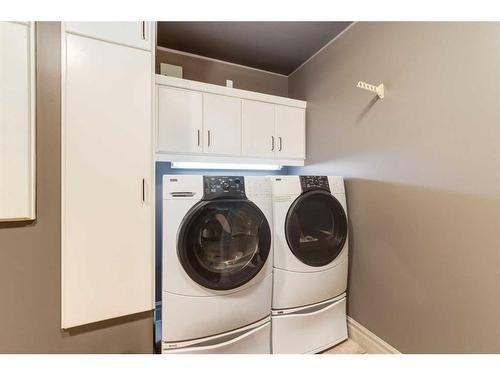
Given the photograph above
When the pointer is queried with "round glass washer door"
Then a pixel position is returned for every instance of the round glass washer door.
(316, 228)
(223, 244)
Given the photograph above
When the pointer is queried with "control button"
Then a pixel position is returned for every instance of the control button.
(225, 186)
(237, 180)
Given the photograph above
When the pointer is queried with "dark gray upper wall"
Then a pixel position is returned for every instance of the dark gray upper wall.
(279, 47)
(216, 72)
(30, 254)
(422, 171)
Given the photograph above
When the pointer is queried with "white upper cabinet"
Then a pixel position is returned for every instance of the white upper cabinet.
(274, 130)
(258, 127)
(180, 127)
(133, 34)
(290, 132)
(222, 124)
(107, 168)
(17, 121)
(200, 122)
(193, 122)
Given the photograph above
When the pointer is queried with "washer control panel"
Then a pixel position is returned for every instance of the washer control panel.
(308, 183)
(220, 187)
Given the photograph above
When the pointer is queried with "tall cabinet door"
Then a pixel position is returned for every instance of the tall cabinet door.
(134, 34)
(290, 132)
(222, 124)
(17, 122)
(180, 123)
(107, 252)
(258, 127)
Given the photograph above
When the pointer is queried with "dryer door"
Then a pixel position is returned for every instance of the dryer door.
(316, 228)
(223, 244)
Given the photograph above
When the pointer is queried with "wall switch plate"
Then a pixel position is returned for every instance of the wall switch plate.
(171, 70)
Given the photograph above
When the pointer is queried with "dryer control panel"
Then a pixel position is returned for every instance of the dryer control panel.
(223, 187)
(308, 183)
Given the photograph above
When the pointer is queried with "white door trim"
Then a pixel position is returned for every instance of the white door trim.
(367, 339)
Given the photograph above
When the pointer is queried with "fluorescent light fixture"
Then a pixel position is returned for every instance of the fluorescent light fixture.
(235, 166)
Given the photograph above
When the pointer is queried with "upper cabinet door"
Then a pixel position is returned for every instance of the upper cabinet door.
(258, 128)
(17, 122)
(180, 125)
(222, 124)
(133, 34)
(107, 233)
(290, 132)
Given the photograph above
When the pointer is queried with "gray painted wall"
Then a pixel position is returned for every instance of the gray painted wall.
(423, 177)
(217, 73)
(30, 253)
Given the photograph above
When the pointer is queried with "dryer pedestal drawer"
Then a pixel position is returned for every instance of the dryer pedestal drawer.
(254, 339)
(310, 329)
(313, 286)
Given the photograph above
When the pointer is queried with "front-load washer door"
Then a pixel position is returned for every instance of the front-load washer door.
(222, 244)
(316, 228)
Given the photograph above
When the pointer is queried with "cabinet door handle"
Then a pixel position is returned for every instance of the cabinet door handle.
(143, 191)
(272, 143)
(143, 26)
(209, 138)
(198, 137)
(281, 144)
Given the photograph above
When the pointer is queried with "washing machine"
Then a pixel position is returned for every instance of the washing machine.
(310, 263)
(217, 264)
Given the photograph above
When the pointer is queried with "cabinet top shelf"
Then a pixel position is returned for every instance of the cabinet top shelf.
(228, 91)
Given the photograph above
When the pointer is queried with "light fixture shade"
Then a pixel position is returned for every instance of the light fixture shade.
(234, 166)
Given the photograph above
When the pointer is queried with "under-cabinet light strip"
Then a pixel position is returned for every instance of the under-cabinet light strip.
(234, 166)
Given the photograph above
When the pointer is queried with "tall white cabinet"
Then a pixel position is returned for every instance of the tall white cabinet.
(17, 121)
(133, 34)
(107, 172)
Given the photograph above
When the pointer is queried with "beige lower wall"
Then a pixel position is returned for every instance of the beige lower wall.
(422, 170)
(30, 253)
(215, 72)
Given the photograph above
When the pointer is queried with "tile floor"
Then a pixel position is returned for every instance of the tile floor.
(347, 347)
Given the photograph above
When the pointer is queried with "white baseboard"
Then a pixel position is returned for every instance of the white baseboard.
(367, 339)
